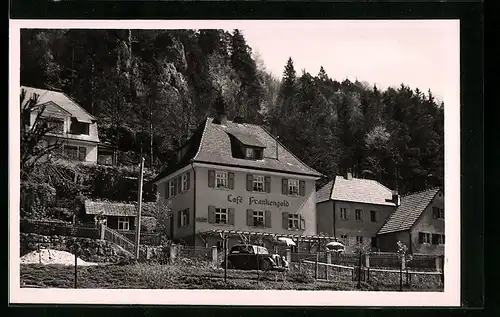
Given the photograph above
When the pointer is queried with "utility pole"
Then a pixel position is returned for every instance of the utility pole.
(139, 207)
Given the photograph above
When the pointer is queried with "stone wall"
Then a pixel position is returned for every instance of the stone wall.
(91, 250)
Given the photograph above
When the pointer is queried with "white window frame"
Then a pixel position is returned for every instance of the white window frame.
(171, 188)
(184, 182)
(343, 213)
(293, 221)
(359, 239)
(221, 178)
(258, 214)
(223, 214)
(125, 222)
(358, 212)
(293, 187)
(184, 217)
(258, 183)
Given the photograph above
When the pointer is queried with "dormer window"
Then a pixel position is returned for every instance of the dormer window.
(246, 145)
(79, 127)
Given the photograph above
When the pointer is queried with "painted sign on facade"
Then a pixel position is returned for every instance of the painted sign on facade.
(256, 201)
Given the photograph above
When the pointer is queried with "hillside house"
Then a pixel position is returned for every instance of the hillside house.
(354, 209)
(418, 222)
(73, 127)
(236, 176)
(119, 216)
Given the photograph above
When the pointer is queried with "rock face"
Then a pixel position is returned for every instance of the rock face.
(90, 250)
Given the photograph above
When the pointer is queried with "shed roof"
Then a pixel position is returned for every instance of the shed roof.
(358, 190)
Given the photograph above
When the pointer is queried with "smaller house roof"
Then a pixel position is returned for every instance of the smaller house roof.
(60, 99)
(358, 190)
(412, 206)
(120, 209)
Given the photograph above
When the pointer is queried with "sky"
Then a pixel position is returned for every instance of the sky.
(421, 54)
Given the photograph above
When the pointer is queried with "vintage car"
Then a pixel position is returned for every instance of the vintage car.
(254, 257)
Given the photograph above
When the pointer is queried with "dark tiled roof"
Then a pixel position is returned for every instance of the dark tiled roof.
(409, 211)
(359, 190)
(213, 145)
(108, 208)
(60, 99)
(324, 193)
(244, 138)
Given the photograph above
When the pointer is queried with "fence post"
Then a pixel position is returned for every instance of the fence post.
(329, 258)
(214, 256)
(102, 231)
(316, 266)
(359, 270)
(76, 263)
(172, 253)
(289, 255)
(367, 264)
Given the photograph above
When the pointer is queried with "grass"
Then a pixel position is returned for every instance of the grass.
(157, 276)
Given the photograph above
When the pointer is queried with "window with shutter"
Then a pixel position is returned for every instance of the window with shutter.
(302, 223)
(421, 238)
(221, 215)
(188, 177)
(221, 179)
(258, 218)
(258, 184)
(174, 181)
(293, 221)
(293, 187)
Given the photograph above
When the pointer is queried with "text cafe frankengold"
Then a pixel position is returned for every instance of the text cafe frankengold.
(255, 201)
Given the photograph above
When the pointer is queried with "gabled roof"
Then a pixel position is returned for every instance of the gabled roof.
(109, 208)
(358, 190)
(412, 206)
(62, 100)
(213, 146)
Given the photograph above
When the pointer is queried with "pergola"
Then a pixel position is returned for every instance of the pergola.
(246, 235)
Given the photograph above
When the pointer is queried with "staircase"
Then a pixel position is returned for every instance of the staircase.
(120, 240)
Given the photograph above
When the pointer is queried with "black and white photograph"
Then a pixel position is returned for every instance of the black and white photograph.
(299, 162)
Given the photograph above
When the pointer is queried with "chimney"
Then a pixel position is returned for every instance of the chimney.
(348, 175)
(220, 119)
(396, 198)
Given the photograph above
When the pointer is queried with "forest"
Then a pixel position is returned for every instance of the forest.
(150, 89)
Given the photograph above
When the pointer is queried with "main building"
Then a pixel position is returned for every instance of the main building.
(236, 176)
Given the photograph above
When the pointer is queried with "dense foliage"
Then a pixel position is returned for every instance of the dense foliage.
(150, 88)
